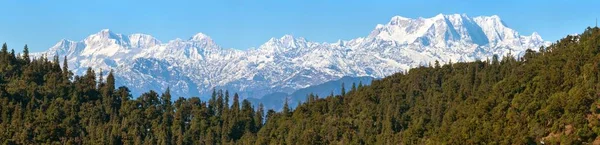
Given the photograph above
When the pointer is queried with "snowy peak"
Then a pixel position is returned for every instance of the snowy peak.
(285, 43)
(104, 43)
(203, 41)
(536, 36)
(202, 45)
(397, 20)
(293, 42)
(495, 29)
(439, 16)
(285, 64)
(446, 31)
(105, 31)
(104, 34)
(107, 43)
(108, 37)
(494, 18)
(142, 41)
(492, 21)
(65, 47)
(201, 37)
(105, 37)
(287, 39)
(63, 43)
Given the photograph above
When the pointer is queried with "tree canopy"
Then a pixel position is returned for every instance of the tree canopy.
(550, 95)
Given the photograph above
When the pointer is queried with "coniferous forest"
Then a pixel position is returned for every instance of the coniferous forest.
(550, 95)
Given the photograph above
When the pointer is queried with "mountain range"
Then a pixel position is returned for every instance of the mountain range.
(194, 66)
(334, 87)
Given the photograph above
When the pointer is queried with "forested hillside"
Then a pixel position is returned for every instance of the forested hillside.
(548, 96)
(41, 102)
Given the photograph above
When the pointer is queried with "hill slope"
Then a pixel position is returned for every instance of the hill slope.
(549, 96)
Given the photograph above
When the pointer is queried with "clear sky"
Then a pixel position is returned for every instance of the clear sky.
(242, 24)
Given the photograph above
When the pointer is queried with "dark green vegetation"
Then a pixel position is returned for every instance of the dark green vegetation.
(40, 102)
(551, 96)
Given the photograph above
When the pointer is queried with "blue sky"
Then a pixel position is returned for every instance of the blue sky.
(242, 24)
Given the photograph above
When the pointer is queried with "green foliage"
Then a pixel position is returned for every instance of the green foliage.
(550, 96)
(42, 103)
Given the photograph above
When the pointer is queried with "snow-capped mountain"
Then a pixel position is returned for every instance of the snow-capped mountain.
(194, 66)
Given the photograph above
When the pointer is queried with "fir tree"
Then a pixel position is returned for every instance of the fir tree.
(26, 54)
(343, 91)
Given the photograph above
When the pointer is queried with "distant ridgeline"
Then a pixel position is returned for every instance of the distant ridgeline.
(548, 96)
(275, 101)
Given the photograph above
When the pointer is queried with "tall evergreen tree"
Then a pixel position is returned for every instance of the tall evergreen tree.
(4, 50)
(26, 54)
(343, 91)
(259, 116)
(360, 84)
(66, 73)
(235, 106)
(286, 107)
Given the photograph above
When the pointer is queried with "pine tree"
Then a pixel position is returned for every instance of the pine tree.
(167, 118)
(220, 103)
(247, 118)
(286, 108)
(260, 112)
(235, 106)
(108, 88)
(110, 82)
(26, 55)
(56, 64)
(4, 59)
(360, 84)
(212, 102)
(343, 91)
(226, 99)
(124, 97)
(66, 73)
(12, 54)
(166, 99)
(4, 50)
